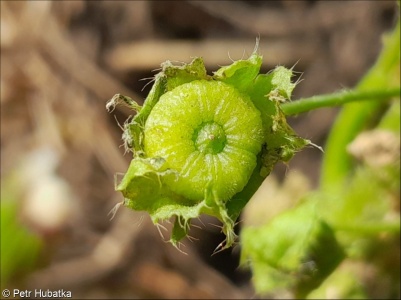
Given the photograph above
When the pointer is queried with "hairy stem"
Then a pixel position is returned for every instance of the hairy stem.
(337, 99)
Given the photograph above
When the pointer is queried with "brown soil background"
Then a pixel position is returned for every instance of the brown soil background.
(62, 61)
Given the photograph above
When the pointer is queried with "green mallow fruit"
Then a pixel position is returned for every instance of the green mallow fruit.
(203, 144)
(209, 133)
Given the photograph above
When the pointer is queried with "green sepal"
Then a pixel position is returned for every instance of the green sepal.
(133, 135)
(170, 77)
(267, 91)
(142, 185)
(281, 142)
(236, 204)
(143, 189)
(240, 73)
(282, 86)
(180, 230)
(217, 207)
(178, 75)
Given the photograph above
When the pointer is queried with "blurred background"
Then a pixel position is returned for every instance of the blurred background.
(61, 61)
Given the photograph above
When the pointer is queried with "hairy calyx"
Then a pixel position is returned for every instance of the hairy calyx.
(203, 144)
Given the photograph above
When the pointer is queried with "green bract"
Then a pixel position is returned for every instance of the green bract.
(204, 144)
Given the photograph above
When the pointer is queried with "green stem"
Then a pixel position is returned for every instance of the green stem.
(354, 117)
(371, 228)
(336, 99)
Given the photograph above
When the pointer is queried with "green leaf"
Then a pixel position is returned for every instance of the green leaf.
(295, 250)
(344, 283)
(20, 247)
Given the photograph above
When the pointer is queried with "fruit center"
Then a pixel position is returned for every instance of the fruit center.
(210, 138)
